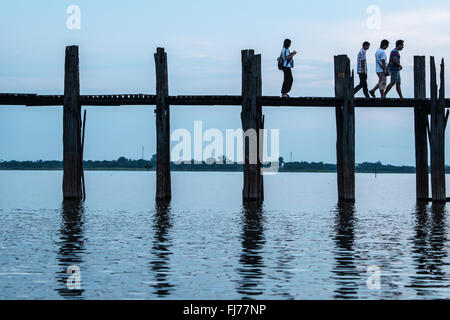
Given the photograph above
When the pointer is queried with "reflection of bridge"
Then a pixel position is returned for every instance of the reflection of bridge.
(252, 101)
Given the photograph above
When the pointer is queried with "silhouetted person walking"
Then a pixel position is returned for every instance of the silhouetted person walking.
(395, 67)
(362, 70)
(287, 63)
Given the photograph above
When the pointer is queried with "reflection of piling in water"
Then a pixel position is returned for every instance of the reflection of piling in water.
(252, 266)
(160, 265)
(71, 246)
(429, 249)
(345, 270)
(251, 100)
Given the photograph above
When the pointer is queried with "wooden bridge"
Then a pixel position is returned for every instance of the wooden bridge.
(427, 130)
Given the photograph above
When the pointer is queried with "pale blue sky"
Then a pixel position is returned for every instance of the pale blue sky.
(203, 40)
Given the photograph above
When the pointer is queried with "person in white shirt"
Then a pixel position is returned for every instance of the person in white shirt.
(381, 68)
(362, 70)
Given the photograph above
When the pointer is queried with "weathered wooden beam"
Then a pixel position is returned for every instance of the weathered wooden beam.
(34, 100)
(162, 111)
(265, 101)
(446, 119)
(339, 72)
(420, 131)
(82, 155)
(252, 122)
(73, 167)
(18, 99)
(431, 200)
(345, 129)
(325, 102)
(437, 135)
(206, 100)
(429, 132)
(260, 122)
(349, 140)
(118, 100)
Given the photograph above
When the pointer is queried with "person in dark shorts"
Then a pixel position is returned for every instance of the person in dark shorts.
(395, 67)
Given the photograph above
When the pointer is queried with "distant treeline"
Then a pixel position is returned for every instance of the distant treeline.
(365, 167)
(127, 164)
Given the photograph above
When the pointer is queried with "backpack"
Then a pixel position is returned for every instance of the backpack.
(280, 62)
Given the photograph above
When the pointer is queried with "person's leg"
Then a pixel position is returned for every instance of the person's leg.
(389, 87)
(399, 90)
(382, 84)
(365, 86)
(372, 92)
(377, 86)
(359, 86)
(290, 80)
(394, 79)
(284, 88)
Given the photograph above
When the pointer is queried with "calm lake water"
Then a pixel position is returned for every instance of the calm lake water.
(300, 244)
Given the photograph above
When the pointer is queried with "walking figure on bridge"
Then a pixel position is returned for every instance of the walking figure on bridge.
(381, 68)
(286, 63)
(362, 70)
(395, 67)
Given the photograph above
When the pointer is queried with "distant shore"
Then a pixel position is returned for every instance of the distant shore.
(123, 164)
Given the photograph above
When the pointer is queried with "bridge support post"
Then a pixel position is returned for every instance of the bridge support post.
(162, 111)
(252, 125)
(437, 133)
(72, 157)
(345, 128)
(420, 131)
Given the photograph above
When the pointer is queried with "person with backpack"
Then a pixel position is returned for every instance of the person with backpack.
(381, 68)
(286, 63)
(395, 67)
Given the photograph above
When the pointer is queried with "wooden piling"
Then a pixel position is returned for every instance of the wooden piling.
(420, 131)
(345, 129)
(260, 120)
(72, 149)
(252, 121)
(82, 156)
(162, 111)
(437, 135)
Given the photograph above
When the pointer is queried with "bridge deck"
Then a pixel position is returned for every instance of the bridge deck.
(222, 100)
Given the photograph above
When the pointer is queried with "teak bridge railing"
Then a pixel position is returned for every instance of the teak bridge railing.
(427, 130)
